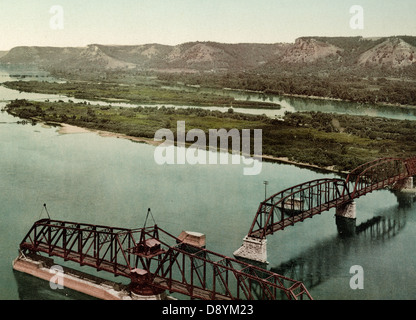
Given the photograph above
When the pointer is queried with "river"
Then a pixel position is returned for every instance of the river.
(88, 178)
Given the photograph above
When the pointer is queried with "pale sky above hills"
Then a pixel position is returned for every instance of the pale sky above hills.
(27, 22)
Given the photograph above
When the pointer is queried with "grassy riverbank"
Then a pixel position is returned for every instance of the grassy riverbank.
(341, 142)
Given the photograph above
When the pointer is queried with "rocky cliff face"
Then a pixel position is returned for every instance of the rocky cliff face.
(309, 50)
(392, 53)
(95, 56)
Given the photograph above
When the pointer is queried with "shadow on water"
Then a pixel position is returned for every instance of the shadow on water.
(323, 261)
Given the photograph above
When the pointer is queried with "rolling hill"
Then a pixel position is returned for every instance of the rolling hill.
(389, 56)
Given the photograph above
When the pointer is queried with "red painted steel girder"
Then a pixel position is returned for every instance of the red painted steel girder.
(305, 200)
(101, 247)
(296, 204)
(378, 174)
(153, 258)
(204, 274)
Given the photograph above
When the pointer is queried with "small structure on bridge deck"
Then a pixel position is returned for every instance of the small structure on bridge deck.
(140, 288)
(148, 248)
(292, 206)
(192, 238)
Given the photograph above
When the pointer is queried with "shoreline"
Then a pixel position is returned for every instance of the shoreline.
(71, 129)
(304, 96)
(285, 160)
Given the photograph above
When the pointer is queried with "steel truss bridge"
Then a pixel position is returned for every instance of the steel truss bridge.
(156, 261)
(305, 200)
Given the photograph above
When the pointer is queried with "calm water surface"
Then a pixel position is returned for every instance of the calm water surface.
(109, 181)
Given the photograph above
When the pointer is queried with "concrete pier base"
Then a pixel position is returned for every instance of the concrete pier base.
(41, 267)
(405, 191)
(408, 183)
(253, 249)
(345, 218)
(348, 210)
(405, 185)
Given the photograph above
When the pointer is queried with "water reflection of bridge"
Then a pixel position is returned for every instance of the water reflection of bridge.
(319, 263)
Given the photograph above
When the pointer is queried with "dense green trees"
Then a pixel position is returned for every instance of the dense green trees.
(345, 87)
(322, 139)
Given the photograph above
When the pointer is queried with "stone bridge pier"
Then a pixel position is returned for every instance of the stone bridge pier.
(345, 218)
(405, 192)
(405, 185)
(253, 249)
(408, 184)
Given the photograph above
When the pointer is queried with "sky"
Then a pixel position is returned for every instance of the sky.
(77, 23)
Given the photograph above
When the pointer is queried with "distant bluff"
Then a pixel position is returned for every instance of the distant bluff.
(307, 54)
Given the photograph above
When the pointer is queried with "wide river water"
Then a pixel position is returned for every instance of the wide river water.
(88, 178)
